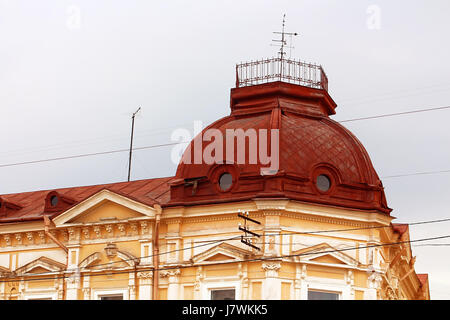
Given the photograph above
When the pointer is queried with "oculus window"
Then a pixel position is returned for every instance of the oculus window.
(225, 181)
(323, 183)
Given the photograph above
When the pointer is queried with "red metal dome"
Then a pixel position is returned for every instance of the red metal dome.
(310, 145)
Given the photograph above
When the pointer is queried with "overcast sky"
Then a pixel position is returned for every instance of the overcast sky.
(73, 72)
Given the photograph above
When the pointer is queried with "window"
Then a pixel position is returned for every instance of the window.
(223, 294)
(323, 183)
(54, 201)
(225, 181)
(322, 295)
(112, 297)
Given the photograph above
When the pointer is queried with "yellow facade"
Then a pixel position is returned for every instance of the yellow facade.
(197, 258)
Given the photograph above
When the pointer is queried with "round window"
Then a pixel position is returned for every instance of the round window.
(54, 201)
(225, 181)
(323, 183)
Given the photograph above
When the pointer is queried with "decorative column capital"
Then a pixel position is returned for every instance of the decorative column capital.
(170, 273)
(271, 269)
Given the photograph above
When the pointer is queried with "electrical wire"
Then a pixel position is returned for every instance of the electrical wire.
(272, 258)
(395, 114)
(209, 242)
(183, 142)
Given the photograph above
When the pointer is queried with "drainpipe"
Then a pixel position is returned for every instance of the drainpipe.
(156, 252)
(47, 224)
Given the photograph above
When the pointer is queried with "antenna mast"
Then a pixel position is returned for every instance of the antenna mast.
(131, 143)
(283, 43)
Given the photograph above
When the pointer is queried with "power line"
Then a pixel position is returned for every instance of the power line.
(415, 174)
(209, 242)
(183, 142)
(109, 272)
(395, 114)
(90, 154)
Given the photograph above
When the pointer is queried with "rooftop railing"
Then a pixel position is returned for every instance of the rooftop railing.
(277, 69)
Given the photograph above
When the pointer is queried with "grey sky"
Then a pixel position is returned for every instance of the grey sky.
(69, 86)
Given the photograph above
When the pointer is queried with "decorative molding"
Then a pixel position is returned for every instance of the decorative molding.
(144, 227)
(98, 232)
(170, 273)
(65, 235)
(122, 229)
(18, 237)
(269, 266)
(109, 230)
(42, 262)
(74, 234)
(41, 235)
(145, 275)
(30, 237)
(89, 260)
(99, 197)
(174, 221)
(7, 238)
(86, 233)
(134, 229)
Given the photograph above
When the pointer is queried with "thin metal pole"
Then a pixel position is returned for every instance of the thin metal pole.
(131, 143)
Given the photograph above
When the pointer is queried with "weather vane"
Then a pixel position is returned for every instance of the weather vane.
(283, 38)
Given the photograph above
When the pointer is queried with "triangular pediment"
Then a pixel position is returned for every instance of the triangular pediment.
(104, 205)
(222, 252)
(41, 265)
(219, 257)
(328, 258)
(325, 254)
(4, 271)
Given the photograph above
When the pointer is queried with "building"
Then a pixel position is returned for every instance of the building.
(321, 225)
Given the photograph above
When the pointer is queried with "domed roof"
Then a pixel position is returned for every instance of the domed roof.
(310, 144)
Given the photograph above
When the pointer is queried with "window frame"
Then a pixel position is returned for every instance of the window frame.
(112, 292)
(338, 293)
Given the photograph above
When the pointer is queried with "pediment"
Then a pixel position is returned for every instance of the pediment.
(100, 260)
(105, 204)
(222, 252)
(41, 265)
(325, 254)
(4, 271)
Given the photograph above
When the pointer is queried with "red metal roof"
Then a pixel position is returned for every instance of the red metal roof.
(32, 205)
(400, 228)
(309, 143)
(423, 278)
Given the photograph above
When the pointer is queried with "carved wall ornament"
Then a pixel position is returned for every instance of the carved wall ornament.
(86, 233)
(7, 238)
(170, 273)
(303, 274)
(144, 227)
(41, 235)
(374, 280)
(145, 275)
(271, 266)
(18, 237)
(134, 229)
(350, 279)
(30, 237)
(97, 231)
(109, 230)
(122, 229)
(65, 235)
(86, 293)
